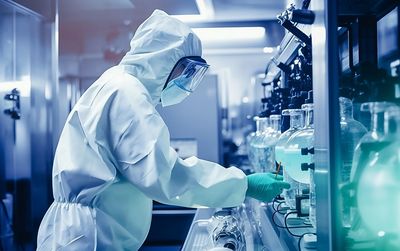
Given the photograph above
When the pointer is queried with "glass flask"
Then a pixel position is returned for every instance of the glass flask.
(368, 145)
(376, 133)
(378, 190)
(270, 138)
(298, 153)
(226, 230)
(296, 123)
(255, 143)
(351, 131)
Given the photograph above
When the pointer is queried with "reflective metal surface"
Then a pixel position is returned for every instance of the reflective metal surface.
(325, 85)
(26, 139)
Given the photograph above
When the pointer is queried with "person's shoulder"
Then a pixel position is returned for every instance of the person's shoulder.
(125, 84)
(122, 80)
(127, 89)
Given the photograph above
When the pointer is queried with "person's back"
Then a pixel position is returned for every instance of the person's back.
(95, 207)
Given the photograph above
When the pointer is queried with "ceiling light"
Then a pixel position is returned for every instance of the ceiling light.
(206, 8)
(230, 33)
(268, 49)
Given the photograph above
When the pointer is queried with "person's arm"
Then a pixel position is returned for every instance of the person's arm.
(166, 178)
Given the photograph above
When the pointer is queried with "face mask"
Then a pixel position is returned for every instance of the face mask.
(174, 93)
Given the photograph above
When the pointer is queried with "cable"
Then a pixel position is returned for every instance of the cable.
(301, 237)
(281, 210)
(276, 200)
(277, 208)
(273, 220)
(286, 226)
(273, 203)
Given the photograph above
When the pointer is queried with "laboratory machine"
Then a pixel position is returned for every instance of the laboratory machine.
(333, 87)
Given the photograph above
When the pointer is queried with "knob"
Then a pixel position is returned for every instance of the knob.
(302, 16)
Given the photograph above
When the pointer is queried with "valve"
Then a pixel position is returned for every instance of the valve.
(305, 151)
(14, 112)
(306, 166)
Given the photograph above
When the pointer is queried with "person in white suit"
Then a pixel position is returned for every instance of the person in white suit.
(114, 156)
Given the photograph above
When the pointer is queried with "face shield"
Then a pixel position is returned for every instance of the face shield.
(183, 79)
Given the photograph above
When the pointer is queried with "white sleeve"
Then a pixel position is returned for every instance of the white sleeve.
(164, 177)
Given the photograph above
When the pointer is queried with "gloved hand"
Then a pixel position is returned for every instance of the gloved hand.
(264, 186)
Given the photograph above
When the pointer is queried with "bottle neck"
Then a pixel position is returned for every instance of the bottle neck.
(346, 112)
(309, 119)
(296, 121)
(377, 122)
(276, 125)
(262, 125)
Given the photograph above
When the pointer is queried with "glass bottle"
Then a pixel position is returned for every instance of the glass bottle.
(298, 152)
(296, 123)
(249, 138)
(369, 144)
(376, 133)
(378, 190)
(256, 143)
(351, 132)
(270, 138)
(300, 139)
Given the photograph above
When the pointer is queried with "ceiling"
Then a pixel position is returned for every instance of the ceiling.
(85, 18)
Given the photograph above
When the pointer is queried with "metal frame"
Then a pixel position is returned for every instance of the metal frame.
(22, 9)
(326, 116)
(327, 134)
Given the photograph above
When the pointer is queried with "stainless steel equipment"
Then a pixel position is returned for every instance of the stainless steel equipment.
(27, 78)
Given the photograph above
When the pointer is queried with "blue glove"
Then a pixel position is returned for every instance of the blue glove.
(264, 186)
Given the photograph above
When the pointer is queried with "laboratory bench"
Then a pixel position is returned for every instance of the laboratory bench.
(262, 225)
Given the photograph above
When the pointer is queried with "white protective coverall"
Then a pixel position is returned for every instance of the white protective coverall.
(114, 156)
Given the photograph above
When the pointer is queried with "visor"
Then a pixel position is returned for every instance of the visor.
(191, 70)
